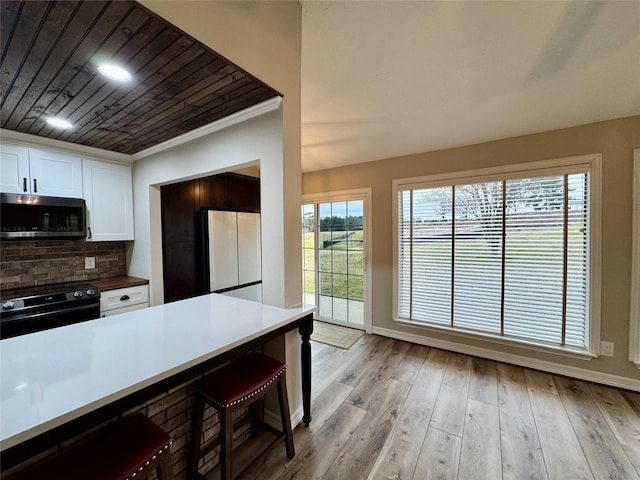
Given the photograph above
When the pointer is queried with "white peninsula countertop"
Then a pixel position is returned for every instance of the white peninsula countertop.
(50, 377)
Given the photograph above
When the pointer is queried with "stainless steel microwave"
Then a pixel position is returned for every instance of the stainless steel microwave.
(30, 217)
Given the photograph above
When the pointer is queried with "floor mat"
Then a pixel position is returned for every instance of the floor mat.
(335, 335)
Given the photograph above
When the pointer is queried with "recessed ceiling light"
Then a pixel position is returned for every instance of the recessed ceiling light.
(114, 72)
(59, 123)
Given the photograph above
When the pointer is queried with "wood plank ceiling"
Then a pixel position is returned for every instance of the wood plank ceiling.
(50, 53)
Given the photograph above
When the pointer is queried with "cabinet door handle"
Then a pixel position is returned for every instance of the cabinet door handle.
(24, 184)
(124, 297)
(35, 185)
(89, 230)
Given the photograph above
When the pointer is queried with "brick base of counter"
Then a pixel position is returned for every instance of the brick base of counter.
(173, 412)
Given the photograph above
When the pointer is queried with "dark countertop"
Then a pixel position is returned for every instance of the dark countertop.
(112, 283)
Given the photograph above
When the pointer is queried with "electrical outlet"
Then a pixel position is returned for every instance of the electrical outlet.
(89, 263)
(606, 349)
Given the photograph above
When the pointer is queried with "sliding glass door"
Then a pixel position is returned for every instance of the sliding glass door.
(334, 260)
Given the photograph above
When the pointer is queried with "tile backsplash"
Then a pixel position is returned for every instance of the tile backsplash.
(40, 262)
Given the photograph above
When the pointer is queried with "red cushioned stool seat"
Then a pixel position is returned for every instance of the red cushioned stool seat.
(240, 382)
(127, 449)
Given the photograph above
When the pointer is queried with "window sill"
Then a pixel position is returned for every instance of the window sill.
(487, 337)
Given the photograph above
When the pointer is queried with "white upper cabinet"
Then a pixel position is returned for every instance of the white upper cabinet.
(55, 174)
(108, 193)
(40, 172)
(14, 169)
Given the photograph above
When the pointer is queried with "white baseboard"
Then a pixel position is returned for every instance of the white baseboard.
(273, 419)
(551, 367)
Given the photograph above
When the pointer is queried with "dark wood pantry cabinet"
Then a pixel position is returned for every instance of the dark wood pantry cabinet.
(180, 250)
(230, 192)
(181, 204)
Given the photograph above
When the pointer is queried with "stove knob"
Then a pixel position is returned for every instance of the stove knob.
(77, 294)
(91, 292)
(8, 305)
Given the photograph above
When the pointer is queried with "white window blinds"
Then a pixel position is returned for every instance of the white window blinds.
(508, 257)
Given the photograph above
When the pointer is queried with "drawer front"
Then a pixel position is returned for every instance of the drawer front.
(124, 297)
(117, 311)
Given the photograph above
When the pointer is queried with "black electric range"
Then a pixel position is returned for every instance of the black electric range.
(31, 309)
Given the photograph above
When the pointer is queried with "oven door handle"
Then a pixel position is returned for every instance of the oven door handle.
(25, 322)
(35, 316)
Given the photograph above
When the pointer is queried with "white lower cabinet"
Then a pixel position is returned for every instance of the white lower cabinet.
(108, 193)
(121, 300)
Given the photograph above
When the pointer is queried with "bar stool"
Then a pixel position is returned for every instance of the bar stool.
(128, 449)
(239, 383)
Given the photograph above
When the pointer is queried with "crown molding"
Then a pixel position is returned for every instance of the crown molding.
(239, 117)
(83, 150)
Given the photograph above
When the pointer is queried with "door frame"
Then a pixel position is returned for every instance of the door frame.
(363, 194)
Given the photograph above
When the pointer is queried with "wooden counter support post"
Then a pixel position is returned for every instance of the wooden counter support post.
(306, 329)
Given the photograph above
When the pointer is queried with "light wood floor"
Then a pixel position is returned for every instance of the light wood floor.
(387, 409)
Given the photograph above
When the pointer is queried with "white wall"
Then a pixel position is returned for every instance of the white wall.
(256, 140)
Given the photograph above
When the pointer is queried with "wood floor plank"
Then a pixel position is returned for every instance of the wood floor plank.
(321, 354)
(314, 462)
(480, 455)
(521, 451)
(633, 398)
(374, 345)
(273, 464)
(317, 348)
(562, 452)
(622, 419)
(411, 364)
(363, 448)
(363, 365)
(400, 453)
(440, 456)
(377, 372)
(604, 454)
(540, 381)
(483, 385)
(449, 412)
(333, 369)
(328, 402)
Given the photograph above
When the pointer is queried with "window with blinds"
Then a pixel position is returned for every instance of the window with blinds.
(506, 256)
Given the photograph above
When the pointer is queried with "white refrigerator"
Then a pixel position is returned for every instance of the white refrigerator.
(234, 253)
